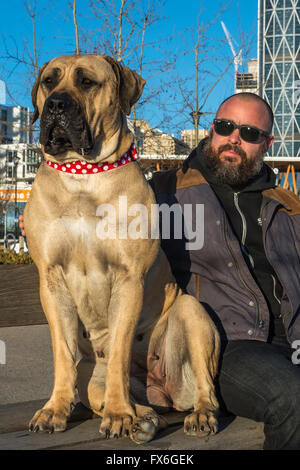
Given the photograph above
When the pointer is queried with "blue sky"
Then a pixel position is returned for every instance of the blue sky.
(55, 36)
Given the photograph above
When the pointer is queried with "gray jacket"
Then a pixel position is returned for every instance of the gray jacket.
(218, 275)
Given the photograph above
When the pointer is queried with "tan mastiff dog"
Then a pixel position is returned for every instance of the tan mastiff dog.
(144, 345)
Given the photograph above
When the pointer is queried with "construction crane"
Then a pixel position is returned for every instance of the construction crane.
(237, 56)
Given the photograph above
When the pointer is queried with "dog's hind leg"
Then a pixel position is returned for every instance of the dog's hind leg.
(147, 422)
(61, 314)
(192, 352)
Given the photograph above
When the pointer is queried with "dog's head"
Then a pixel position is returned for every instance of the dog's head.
(80, 101)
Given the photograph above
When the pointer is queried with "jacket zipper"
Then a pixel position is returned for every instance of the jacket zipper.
(274, 289)
(236, 203)
(244, 223)
(244, 234)
(260, 322)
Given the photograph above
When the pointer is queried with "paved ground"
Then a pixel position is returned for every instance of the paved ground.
(240, 434)
(28, 372)
(26, 383)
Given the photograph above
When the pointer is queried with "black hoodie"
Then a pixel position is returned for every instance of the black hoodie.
(242, 205)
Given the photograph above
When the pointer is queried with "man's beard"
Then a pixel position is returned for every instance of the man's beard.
(233, 174)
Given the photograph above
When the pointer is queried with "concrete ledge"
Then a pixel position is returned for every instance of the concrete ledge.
(26, 383)
(19, 296)
(83, 433)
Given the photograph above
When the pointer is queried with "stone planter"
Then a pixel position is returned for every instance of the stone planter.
(19, 296)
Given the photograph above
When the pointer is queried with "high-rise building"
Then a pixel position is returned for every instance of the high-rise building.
(15, 125)
(247, 82)
(279, 73)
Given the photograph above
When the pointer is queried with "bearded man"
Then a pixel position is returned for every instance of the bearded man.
(247, 274)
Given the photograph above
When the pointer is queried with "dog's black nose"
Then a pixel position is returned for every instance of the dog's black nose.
(57, 103)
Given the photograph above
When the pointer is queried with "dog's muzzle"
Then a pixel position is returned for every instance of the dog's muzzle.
(64, 126)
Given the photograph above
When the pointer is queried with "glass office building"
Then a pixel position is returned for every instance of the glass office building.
(279, 72)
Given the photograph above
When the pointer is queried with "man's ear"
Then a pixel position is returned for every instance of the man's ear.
(270, 141)
(34, 93)
(130, 85)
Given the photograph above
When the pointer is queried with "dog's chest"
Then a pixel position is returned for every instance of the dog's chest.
(79, 226)
(76, 220)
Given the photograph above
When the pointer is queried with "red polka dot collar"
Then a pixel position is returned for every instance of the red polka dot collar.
(83, 168)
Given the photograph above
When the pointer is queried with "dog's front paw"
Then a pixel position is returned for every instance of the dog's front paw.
(116, 423)
(50, 418)
(201, 423)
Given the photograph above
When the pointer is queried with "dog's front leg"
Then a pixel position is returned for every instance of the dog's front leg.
(62, 317)
(118, 413)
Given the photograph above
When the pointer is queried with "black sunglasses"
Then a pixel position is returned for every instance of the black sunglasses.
(249, 134)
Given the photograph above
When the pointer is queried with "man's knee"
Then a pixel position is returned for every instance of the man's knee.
(282, 415)
(285, 403)
(282, 423)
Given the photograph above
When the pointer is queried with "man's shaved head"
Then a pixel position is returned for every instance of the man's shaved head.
(247, 97)
(232, 159)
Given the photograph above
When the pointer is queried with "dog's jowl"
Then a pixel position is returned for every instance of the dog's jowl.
(146, 347)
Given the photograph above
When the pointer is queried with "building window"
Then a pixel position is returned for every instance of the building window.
(31, 168)
(3, 115)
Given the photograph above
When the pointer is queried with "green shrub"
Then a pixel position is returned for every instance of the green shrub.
(11, 257)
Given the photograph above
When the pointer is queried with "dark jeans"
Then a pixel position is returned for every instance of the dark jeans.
(259, 381)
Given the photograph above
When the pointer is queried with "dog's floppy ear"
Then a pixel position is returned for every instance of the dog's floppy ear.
(130, 85)
(34, 93)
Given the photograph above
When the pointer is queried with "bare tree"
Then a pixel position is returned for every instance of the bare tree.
(116, 28)
(76, 27)
(31, 9)
(30, 55)
(25, 54)
(27, 51)
(206, 50)
(124, 31)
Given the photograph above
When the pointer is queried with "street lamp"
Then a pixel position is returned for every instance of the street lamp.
(16, 162)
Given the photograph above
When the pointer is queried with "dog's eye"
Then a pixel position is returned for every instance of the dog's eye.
(86, 81)
(48, 81)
